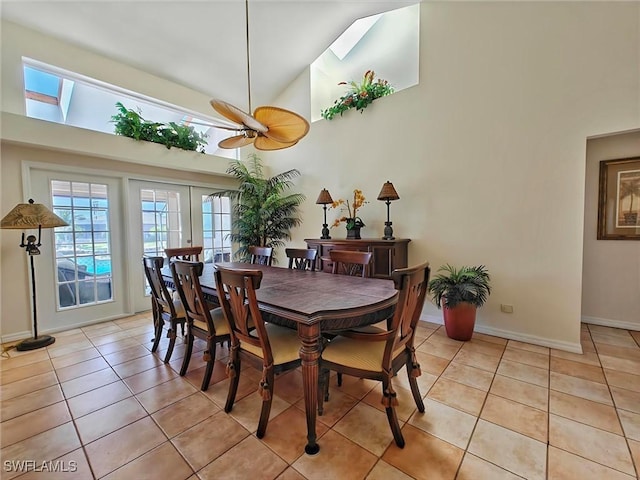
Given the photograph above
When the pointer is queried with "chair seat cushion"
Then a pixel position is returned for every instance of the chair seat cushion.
(219, 322)
(285, 344)
(358, 354)
(180, 313)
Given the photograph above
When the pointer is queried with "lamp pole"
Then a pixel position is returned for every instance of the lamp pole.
(325, 225)
(388, 231)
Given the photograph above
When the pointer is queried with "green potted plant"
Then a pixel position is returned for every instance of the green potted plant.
(264, 213)
(459, 292)
(130, 123)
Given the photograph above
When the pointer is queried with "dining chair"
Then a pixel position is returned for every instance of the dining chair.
(203, 321)
(191, 254)
(164, 307)
(379, 354)
(261, 255)
(350, 262)
(301, 258)
(276, 347)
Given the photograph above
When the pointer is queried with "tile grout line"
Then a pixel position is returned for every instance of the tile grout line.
(624, 433)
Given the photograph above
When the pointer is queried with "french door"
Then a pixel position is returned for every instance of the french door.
(160, 217)
(83, 262)
(168, 215)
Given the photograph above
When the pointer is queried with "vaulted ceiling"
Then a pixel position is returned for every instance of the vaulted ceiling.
(202, 44)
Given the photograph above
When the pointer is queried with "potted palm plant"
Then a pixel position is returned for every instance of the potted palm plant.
(459, 292)
(264, 210)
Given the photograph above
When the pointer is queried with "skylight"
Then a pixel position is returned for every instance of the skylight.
(352, 35)
(44, 83)
(387, 43)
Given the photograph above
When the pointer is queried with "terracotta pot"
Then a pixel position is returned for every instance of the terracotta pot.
(459, 321)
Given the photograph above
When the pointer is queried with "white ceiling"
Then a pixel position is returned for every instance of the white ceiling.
(201, 44)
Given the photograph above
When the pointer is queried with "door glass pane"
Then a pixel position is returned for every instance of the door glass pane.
(83, 254)
(216, 227)
(161, 225)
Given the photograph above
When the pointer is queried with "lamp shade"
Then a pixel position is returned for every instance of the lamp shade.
(31, 215)
(388, 192)
(324, 197)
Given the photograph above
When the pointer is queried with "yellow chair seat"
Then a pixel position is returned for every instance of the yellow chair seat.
(285, 344)
(358, 354)
(180, 313)
(219, 322)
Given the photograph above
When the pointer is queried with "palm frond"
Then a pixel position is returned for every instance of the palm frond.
(263, 212)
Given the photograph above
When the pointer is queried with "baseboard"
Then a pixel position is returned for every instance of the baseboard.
(510, 335)
(432, 319)
(606, 322)
(14, 337)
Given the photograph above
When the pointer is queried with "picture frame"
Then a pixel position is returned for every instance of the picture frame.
(619, 199)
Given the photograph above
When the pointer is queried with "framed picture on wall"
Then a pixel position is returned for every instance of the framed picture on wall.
(619, 199)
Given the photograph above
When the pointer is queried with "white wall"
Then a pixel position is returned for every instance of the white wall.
(611, 285)
(488, 152)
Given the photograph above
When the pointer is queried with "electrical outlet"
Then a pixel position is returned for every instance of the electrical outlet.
(506, 308)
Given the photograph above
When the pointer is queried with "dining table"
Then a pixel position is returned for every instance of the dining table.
(313, 303)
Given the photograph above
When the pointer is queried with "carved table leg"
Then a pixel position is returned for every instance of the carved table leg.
(309, 354)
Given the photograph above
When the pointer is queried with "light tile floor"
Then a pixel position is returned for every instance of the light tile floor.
(99, 403)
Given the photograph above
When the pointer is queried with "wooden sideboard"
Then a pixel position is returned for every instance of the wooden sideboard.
(387, 254)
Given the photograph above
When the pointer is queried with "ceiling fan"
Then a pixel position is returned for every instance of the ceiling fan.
(269, 128)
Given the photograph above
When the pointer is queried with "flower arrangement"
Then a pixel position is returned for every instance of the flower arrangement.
(359, 96)
(352, 221)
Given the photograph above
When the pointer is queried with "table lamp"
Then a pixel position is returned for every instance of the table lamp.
(323, 199)
(388, 193)
(22, 217)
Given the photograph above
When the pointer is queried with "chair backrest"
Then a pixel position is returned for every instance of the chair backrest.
(411, 284)
(160, 296)
(301, 258)
(186, 277)
(350, 262)
(261, 255)
(191, 254)
(237, 293)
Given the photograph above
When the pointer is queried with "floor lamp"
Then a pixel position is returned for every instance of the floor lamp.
(22, 217)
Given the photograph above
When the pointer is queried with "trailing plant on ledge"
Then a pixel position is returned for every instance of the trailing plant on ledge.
(359, 95)
(130, 123)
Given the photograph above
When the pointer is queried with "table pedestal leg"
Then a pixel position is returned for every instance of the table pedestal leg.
(309, 354)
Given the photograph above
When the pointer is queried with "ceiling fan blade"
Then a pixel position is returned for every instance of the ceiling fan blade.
(235, 142)
(284, 126)
(265, 143)
(236, 115)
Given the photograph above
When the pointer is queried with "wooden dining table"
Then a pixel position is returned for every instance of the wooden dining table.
(314, 303)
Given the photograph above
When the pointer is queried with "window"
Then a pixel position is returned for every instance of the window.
(161, 223)
(55, 95)
(216, 227)
(83, 253)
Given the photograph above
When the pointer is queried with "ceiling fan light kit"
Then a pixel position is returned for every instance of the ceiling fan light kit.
(270, 128)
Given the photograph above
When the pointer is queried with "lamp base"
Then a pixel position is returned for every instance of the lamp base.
(35, 343)
(325, 232)
(388, 231)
